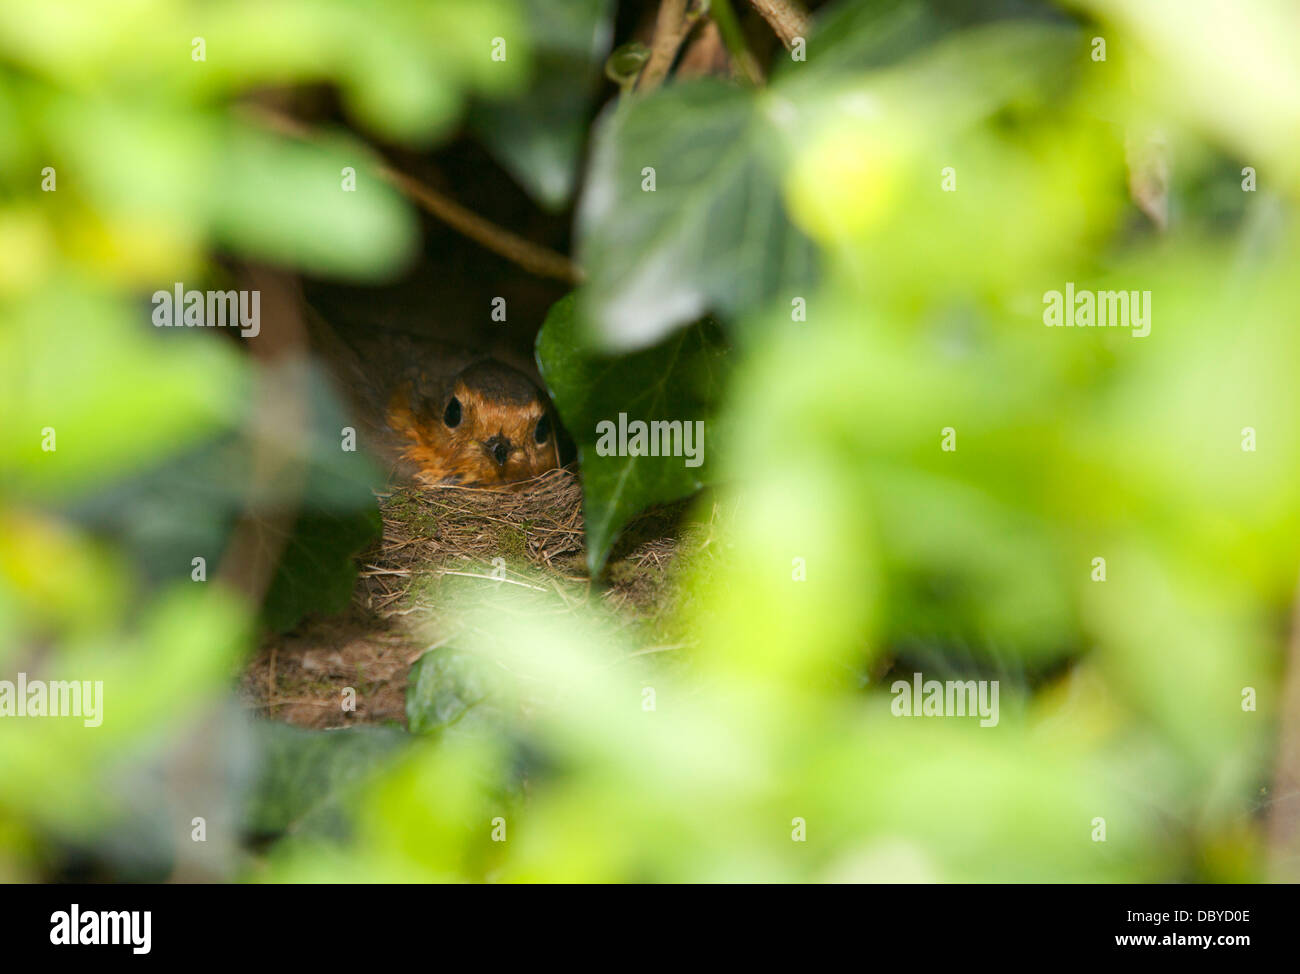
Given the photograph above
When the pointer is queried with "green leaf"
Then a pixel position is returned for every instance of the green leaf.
(283, 201)
(308, 781)
(677, 380)
(116, 398)
(688, 205)
(339, 519)
(712, 235)
(317, 570)
(858, 34)
(446, 686)
(538, 135)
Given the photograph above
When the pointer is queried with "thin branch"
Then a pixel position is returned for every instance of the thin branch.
(705, 55)
(671, 27)
(532, 257)
(490, 578)
(787, 18)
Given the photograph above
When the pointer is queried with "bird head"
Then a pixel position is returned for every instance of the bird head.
(489, 425)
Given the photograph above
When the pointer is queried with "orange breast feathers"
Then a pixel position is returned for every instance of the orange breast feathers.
(492, 427)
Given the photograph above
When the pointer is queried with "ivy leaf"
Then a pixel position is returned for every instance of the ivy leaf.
(309, 780)
(677, 381)
(281, 201)
(858, 34)
(685, 208)
(339, 518)
(712, 233)
(117, 398)
(538, 134)
(446, 686)
(317, 571)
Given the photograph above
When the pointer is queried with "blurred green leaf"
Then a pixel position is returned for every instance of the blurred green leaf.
(318, 569)
(445, 688)
(852, 35)
(284, 202)
(702, 197)
(711, 235)
(309, 782)
(112, 399)
(158, 670)
(539, 134)
(1232, 73)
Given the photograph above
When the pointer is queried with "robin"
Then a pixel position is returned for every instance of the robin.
(439, 414)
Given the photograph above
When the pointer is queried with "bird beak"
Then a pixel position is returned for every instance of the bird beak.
(499, 449)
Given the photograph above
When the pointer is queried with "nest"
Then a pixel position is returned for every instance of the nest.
(529, 534)
(445, 529)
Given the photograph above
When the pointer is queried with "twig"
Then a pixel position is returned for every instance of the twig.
(490, 578)
(286, 701)
(787, 18)
(532, 257)
(671, 28)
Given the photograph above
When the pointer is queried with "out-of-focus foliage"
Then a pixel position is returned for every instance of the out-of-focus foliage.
(131, 152)
(1233, 78)
(449, 689)
(1070, 445)
(539, 134)
(712, 230)
(310, 782)
(916, 474)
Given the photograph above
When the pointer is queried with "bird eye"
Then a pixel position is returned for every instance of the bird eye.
(543, 431)
(451, 416)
